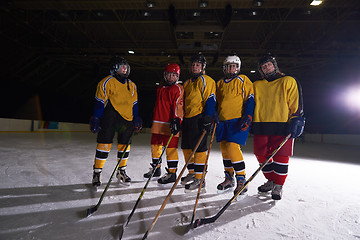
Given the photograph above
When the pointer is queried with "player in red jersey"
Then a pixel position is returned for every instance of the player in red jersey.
(168, 115)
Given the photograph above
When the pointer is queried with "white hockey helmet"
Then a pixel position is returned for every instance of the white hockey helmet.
(231, 60)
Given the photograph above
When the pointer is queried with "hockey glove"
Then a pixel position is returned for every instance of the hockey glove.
(296, 126)
(207, 122)
(137, 124)
(95, 124)
(245, 122)
(175, 126)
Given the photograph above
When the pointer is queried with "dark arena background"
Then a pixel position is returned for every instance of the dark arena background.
(55, 52)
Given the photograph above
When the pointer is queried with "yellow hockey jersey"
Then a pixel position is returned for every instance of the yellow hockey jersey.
(121, 95)
(196, 93)
(231, 95)
(276, 102)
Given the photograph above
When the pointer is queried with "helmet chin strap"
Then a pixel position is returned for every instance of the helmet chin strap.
(270, 74)
(273, 75)
(231, 75)
(120, 77)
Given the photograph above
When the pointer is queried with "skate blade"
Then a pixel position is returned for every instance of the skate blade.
(165, 185)
(224, 191)
(264, 196)
(203, 190)
(152, 179)
(184, 183)
(122, 183)
(241, 197)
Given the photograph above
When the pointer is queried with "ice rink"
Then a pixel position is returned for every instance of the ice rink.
(45, 192)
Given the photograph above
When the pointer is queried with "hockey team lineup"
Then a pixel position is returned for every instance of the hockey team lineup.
(199, 108)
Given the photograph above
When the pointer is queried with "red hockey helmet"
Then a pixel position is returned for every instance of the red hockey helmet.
(171, 68)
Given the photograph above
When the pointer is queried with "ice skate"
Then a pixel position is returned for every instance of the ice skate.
(276, 192)
(96, 179)
(122, 176)
(240, 181)
(167, 178)
(194, 186)
(188, 178)
(227, 184)
(156, 175)
(266, 187)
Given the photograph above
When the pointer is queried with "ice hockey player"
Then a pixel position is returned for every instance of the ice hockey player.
(199, 108)
(115, 110)
(235, 106)
(168, 115)
(278, 112)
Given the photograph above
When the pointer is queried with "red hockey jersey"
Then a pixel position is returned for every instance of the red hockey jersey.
(169, 104)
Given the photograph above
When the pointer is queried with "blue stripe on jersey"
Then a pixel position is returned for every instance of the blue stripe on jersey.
(210, 106)
(104, 86)
(249, 105)
(240, 78)
(230, 79)
(134, 87)
(204, 85)
(100, 100)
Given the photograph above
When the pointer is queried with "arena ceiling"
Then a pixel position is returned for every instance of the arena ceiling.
(64, 46)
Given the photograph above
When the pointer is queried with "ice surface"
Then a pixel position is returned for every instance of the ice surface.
(45, 192)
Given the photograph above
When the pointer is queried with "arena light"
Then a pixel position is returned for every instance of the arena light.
(203, 4)
(258, 3)
(196, 14)
(352, 98)
(316, 2)
(150, 4)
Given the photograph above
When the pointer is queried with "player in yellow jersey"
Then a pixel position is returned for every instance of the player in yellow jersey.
(235, 106)
(199, 109)
(278, 112)
(115, 111)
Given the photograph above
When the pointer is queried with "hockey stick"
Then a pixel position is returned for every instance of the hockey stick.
(144, 189)
(202, 180)
(212, 219)
(174, 186)
(90, 211)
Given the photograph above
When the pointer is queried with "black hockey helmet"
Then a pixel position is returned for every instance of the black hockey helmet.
(199, 58)
(115, 63)
(268, 58)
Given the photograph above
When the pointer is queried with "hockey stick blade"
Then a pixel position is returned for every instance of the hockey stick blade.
(188, 228)
(122, 229)
(212, 219)
(145, 235)
(90, 211)
(203, 221)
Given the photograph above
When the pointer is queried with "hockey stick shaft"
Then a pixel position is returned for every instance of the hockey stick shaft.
(90, 211)
(174, 186)
(147, 183)
(203, 176)
(212, 219)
